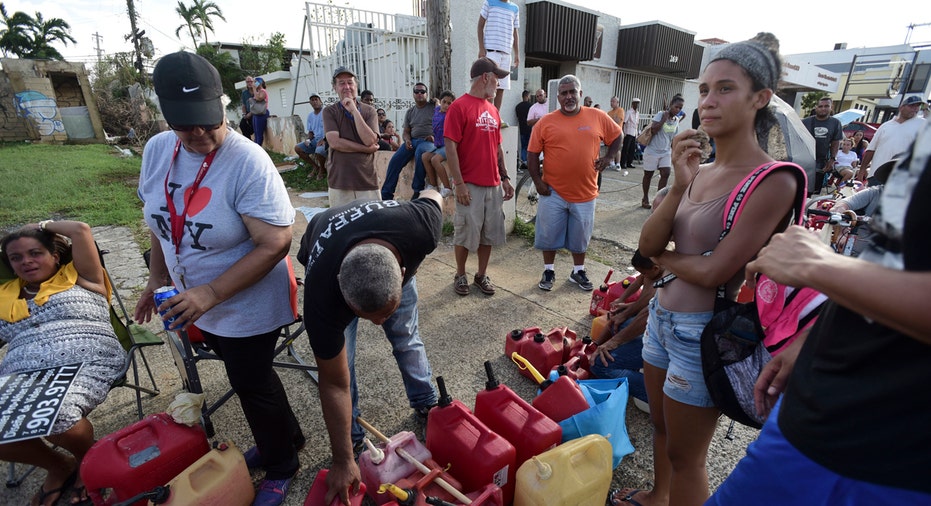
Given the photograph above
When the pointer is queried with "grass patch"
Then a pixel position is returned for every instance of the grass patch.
(524, 229)
(448, 228)
(90, 183)
(297, 179)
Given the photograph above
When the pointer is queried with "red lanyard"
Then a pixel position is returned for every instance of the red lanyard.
(177, 220)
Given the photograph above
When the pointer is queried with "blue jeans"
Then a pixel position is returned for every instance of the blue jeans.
(402, 332)
(524, 142)
(628, 361)
(401, 158)
(258, 125)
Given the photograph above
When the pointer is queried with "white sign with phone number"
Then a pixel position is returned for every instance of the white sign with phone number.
(30, 401)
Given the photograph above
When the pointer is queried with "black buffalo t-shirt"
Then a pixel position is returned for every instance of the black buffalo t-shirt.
(413, 228)
(859, 398)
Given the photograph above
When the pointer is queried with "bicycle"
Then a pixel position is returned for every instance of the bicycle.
(844, 226)
(526, 197)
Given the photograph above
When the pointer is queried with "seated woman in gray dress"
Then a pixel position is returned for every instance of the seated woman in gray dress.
(56, 312)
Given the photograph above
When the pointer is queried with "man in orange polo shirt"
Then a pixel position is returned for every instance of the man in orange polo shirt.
(569, 138)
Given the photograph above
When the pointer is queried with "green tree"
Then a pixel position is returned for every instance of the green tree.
(14, 36)
(191, 22)
(198, 19)
(206, 11)
(263, 59)
(47, 32)
(810, 101)
(230, 73)
(26, 37)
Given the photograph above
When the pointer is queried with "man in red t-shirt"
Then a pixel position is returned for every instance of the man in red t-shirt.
(475, 162)
(570, 139)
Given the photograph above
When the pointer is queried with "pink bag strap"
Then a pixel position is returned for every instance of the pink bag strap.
(740, 194)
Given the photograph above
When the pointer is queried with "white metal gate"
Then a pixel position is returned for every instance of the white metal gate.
(387, 52)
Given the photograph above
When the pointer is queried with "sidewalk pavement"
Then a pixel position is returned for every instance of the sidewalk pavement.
(459, 333)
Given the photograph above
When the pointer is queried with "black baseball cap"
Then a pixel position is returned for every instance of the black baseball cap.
(189, 89)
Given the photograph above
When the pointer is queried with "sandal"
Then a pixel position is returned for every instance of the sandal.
(646, 205)
(43, 494)
(628, 499)
(79, 496)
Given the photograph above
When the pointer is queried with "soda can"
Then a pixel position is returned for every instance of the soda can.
(161, 295)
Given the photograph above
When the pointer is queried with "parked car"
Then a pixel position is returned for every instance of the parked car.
(868, 129)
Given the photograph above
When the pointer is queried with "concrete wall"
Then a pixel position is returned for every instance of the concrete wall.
(39, 88)
(13, 127)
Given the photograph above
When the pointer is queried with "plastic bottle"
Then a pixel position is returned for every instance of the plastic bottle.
(476, 455)
(575, 472)
(503, 411)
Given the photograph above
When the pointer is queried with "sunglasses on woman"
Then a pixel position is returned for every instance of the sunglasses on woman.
(188, 128)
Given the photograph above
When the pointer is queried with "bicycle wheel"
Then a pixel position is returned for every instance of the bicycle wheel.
(526, 198)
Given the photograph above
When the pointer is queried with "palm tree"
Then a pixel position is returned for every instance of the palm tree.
(14, 36)
(191, 22)
(28, 37)
(205, 11)
(44, 33)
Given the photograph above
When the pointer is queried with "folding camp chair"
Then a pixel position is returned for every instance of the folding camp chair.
(132, 337)
(189, 348)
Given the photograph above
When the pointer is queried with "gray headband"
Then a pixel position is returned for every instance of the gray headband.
(755, 59)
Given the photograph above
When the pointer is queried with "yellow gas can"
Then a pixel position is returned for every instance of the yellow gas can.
(575, 473)
(219, 478)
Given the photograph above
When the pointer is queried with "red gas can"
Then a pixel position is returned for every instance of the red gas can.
(566, 336)
(561, 399)
(319, 489)
(518, 338)
(513, 418)
(477, 456)
(573, 368)
(544, 352)
(584, 349)
(420, 486)
(140, 457)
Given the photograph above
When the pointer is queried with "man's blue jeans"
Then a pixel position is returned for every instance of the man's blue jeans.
(401, 158)
(402, 331)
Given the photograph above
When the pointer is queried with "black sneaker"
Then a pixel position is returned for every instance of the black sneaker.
(546, 282)
(582, 280)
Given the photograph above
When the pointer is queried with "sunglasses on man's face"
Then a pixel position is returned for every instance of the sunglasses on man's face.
(420, 92)
(381, 114)
(188, 128)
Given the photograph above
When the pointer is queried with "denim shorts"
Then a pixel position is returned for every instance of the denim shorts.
(673, 342)
(561, 224)
(440, 151)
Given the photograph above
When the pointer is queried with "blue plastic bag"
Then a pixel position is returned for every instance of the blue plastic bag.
(607, 416)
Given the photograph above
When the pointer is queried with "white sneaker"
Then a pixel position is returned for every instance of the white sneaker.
(445, 192)
(430, 187)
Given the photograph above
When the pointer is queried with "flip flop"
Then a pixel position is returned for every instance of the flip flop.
(44, 494)
(629, 498)
(77, 493)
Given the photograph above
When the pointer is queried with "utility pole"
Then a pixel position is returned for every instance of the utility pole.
(97, 38)
(438, 34)
(135, 35)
